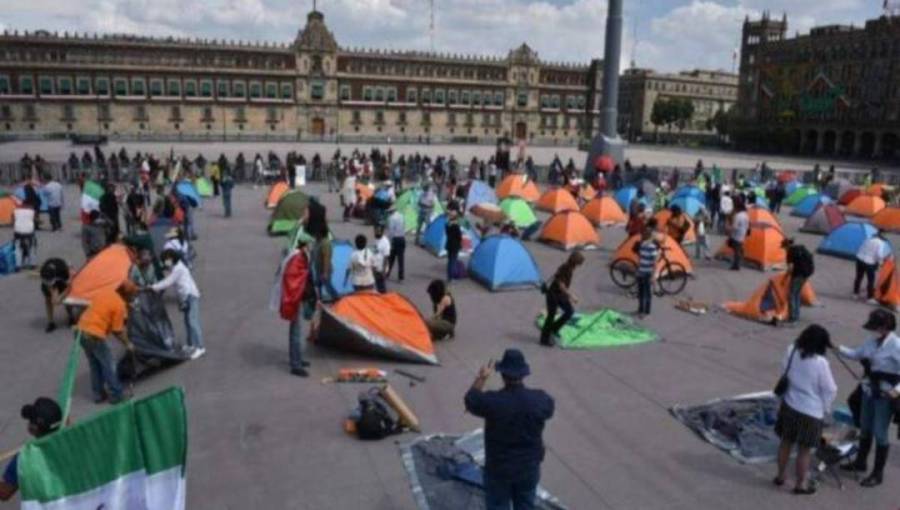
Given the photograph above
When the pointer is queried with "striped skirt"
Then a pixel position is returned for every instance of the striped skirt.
(798, 428)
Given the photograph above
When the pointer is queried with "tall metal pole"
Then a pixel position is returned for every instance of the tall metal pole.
(611, 56)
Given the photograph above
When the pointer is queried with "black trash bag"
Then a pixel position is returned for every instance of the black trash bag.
(153, 336)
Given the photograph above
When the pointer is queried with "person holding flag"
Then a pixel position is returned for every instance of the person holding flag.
(44, 417)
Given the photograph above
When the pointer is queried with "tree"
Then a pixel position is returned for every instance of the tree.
(663, 114)
(722, 123)
(683, 112)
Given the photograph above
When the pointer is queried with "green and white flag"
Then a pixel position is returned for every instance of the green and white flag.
(90, 197)
(131, 456)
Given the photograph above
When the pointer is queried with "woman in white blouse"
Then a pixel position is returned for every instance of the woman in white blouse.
(810, 393)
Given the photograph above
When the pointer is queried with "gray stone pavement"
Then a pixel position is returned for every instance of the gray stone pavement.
(261, 438)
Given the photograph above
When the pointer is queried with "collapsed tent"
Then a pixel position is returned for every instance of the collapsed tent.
(826, 218)
(770, 301)
(105, 271)
(604, 211)
(799, 194)
(518, 185)
(849, 196)
(275, 192)
(806, 207)
(7, 207)
(557, 200)
(435, 237)
(340, 264)
(408, 205)
(662, 218)
(846, 240)
(673, 251)
(187, 190)
(480, 193)
(288, 212)
(518, 211)
(888, 219)
(600, 329)
(503, 263)
(446, 473)
(865, 206)
(887, 288)
(762, 215)
(385, 325)
(153, 336)
(762, 248)
(569, 230)
(91, 193)
(204, 187)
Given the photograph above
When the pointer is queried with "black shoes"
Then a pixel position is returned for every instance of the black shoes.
(51, 327)
(299, 372)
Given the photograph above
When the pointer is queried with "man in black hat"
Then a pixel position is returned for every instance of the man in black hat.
(44, 417)
(514, 425)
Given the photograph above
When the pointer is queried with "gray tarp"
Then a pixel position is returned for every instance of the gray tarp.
(445, 473)
(151, 332)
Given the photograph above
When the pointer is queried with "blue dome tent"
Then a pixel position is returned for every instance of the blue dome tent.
(808, 205)
(846, 240)
(435, 237)
(480, 193)
(503, 263)
(340, 262)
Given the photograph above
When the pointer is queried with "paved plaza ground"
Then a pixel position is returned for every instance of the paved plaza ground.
(261, 438)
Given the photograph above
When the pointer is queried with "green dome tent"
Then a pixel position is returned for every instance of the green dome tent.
(288, 212)
(408, 205)
(204, 187)
(799, 194)
(518, 210)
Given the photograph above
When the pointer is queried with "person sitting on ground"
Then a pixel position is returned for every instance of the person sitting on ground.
(360, 272)
(442, 323)
(559, 295)
(188, 298)
(678, 224)
(871, 254)
(54, 282)
(810, 392)
(44, 417)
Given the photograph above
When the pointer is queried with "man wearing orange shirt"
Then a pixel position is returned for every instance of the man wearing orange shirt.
(105, 316)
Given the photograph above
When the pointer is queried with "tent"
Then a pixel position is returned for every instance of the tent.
(8, 263)
(153, 336)
(480, 193)
(792, 186)
(435, 237)
(187, 190)
(569, 230)
(826, 218)
(604, 211)
(408, 204)
(762, 248)
(557, 200)
(601, 329)
(691, 205)
(340, 263)
(806, 207)
(662, 217)
(518, 210)
(849, 196)
(288, 212)
(762, 215)
(503, 263)
(7, 206)
(887, 287)
(838, 187)
(20, 194)
(786, 176)
(690, 190)
(91, 193)
(204, 187)
(626, 194)
(799, 194)
(105, 271)
(275, 192)
(518, 185)
(846, 240)
(674, 252)
(888, 219)
(386, 325)
(865, 206)
(770, 300)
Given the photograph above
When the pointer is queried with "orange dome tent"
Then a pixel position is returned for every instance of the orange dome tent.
(662, 217)
(518, 185)
(762, 215)
(887, 288)
(762, 248)
(604, 211)
(569, 230)
(888, 219)
(7, 206)
(557, 200)
(849, 196)
(865, 206)
(275, 192)
(379, 324)
(770, 301)
(674, 252)
(877, 189)
(587, 192)
(105, 271)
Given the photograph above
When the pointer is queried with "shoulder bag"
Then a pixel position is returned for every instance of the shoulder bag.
(781, 386)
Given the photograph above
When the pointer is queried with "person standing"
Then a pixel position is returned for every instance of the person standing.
(24, 234)
(514, 418)
(702, 223)
(559, 295)
(442, 323)
(105, 316)
(348, 195)
(648, 257)
(227, 186)
(54, 282)
(880, 358)
(188, 299)
(109, 207)
(800, 267)
(871, 254)
(295, 293)
(382, 256)
(397, 234)
(426, 204)
(453, 234)
(805, 404)
(322, 268)
(53, 190)
(44, 417)
(737, 234)
(678, 224)
(360, 270)
(94, 234)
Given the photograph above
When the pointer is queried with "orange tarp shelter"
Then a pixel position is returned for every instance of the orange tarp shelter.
(674, 252)
(662, 217)
(762, 248)
(762, 215)
(275, 192)
(888, 219)
(378, 324)
(518, 185)
(865, 206)
(887, 287)
(105, 271)
(770, 301)
(7, 206)
(604, 211)
(569, 230)
(557, 200)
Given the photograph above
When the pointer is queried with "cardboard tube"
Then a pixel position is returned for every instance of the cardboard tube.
(407, 417)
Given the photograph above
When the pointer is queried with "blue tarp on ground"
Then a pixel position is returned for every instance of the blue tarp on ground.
(435, 237)
(20, 194)
(480, 193)
(689, 204)
(8, 258)
(845, 240)
(340, 262)
(503, 263)
(189, 191)
(808, 205)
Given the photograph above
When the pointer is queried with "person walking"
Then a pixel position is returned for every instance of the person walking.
(380, 262)
(648, 257)
(442, 323)
(559, 295)
(702, 224)
(188, 299)
(871, 254)
(53, 190)
(397, 234)
(105, 316)
(880, 387)
(296, 291)
(804, 405)
(453, 234)
(44, 417)
(800, 267)
(737, 233)
(360, 272)
(426, 204)
(514, 418)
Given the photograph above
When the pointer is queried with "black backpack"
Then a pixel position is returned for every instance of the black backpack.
(804, 266)
(375, 421)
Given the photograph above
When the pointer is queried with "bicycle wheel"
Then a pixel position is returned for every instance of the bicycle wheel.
(673, 278)
(623, 273)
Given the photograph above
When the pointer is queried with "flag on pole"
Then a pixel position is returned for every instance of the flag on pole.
(129, 456)
(64, 398)
(90, 199)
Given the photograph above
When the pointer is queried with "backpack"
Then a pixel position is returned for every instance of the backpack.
(375, 421)
(804, 266)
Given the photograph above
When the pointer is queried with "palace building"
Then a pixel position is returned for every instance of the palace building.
(310, 89)
(833, 91)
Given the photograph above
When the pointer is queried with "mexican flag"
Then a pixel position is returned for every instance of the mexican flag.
(129, 456)
(90, 199)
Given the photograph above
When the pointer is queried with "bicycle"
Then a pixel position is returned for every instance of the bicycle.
(671, 278)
